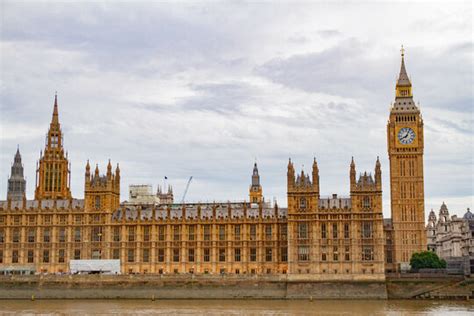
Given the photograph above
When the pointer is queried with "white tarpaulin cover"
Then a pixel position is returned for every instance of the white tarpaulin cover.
(95, 266)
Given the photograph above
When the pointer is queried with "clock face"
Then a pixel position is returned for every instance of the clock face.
(406, 135)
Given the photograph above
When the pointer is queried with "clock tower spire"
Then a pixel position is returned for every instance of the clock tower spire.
(405, 143)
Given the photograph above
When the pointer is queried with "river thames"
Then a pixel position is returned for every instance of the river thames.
(234, 307)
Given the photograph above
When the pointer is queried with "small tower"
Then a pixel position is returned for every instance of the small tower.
(102, 193)
(255, 191)
(303, 203)
(17, 182)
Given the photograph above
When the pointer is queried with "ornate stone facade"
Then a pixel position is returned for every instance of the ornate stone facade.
(450, 236)
(335, 238)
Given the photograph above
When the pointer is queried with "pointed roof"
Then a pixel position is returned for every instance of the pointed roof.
(17, 154)
(255, 176)
(55, 119)
(403, 79)
(255, 169)
(377, 163)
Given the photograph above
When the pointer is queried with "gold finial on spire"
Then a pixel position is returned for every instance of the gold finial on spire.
(402, 50)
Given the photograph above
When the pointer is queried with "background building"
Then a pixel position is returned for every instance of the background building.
(452, 238)
(142, 194)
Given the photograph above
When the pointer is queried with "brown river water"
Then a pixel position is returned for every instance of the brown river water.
(234, 307)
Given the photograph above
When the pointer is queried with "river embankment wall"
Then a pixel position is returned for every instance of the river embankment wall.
(223, 287)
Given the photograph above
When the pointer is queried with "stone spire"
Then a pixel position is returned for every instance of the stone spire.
(290, 175)
(109, 170)
(315, 175)
(403, 79)
(378, 174)
(352, 174)
(403, 87)
(55, 119)
(88, 168)
(17, 182)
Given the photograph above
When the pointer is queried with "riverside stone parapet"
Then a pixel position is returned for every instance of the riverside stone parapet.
(225, 287)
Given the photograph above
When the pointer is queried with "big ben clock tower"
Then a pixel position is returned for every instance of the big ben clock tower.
(405, 152)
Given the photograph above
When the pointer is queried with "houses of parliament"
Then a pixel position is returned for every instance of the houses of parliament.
(314, 238)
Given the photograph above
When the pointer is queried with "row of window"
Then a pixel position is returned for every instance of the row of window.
(367, 253)
(47, 219)
(366, 230)
(96, 233)
(366, 203)
(222, 232)
(161, 255)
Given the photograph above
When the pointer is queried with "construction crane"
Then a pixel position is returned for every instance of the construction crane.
(186, 190)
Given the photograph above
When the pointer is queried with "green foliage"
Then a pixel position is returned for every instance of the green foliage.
(426, 260)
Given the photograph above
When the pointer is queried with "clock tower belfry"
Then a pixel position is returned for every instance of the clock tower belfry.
(405, 144)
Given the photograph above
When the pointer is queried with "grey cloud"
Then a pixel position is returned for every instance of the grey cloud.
(329, 33)
(343, 70)
(346, 69)
(182, 90)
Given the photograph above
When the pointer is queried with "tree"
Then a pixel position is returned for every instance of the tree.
(426, 260)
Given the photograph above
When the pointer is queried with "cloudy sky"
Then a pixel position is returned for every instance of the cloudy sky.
(203, 90)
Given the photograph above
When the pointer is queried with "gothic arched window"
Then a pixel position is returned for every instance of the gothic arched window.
(97, 202)
(303, 203)
(366, 202)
